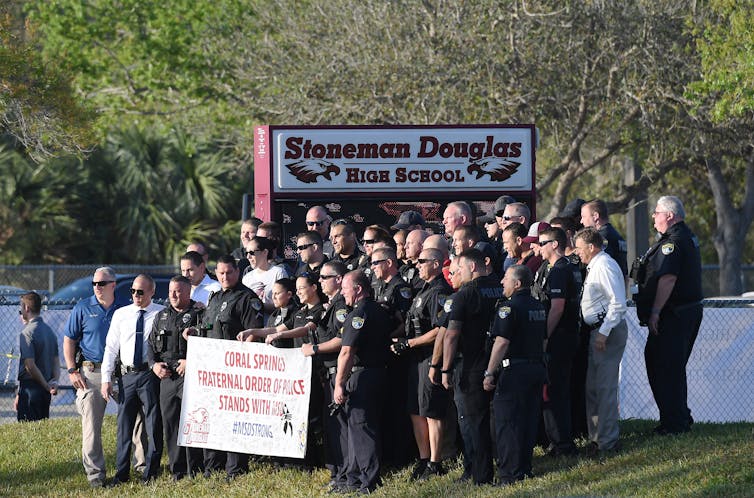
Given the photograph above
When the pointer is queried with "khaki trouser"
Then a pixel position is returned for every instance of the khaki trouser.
(91, 406)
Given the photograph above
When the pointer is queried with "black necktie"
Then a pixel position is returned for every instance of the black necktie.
(139, 343)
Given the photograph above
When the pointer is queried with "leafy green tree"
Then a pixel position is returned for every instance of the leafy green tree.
(38, 109)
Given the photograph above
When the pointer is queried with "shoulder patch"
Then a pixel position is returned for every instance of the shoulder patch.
(503, 312)
(357, 322)
(667, 248)
(256, 304)
(405, 292)
(448, 305)
(341, 315)
(441, 299)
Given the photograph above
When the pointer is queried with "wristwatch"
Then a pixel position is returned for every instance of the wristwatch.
(489, 374)
(315, 348)
(73, 370)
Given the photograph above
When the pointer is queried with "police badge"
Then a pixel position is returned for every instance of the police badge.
(503, 312)
(418, 302)
(186, 318)
(668, 248)
(357, 322)
(224, 305)
(448, 305)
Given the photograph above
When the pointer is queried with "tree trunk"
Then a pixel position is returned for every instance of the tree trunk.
(732, 225)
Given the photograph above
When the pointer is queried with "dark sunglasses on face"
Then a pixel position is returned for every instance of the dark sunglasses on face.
(367, 241)
(249, 253)
(378, 261)
(102, 283)
(314, 223)
(545, 242)
(422, 261)
(138, 292)
(303, 247)
(326, 277)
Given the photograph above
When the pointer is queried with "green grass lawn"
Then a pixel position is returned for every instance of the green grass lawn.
(44, 459)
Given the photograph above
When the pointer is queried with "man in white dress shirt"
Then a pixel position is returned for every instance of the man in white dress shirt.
(194, 268)
(603, 306)
(127, 341)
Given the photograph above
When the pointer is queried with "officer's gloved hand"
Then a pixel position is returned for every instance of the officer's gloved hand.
(400, 346)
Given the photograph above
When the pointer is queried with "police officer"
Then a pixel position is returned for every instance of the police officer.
(427, 403)
(410, 271)
(394, 294)
(469, 321)
(560, 297)
(594, 215)
(343, 239)
(228, 312)
(669, 303)
(516, 373)
(361, 374)
(325, 354)
(166, 356)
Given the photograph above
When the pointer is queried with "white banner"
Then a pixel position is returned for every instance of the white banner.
(719, 372)
(245, 397)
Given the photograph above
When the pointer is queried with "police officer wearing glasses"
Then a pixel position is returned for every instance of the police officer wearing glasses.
(669, 304)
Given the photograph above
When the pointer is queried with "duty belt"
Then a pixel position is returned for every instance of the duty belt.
(332, 371)
(594, 326)
(127, 369)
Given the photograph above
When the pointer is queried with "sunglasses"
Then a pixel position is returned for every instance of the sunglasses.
(137, 292)
(367, 241)
(249, 253)
(378, 261)
(326, 277)
(303, 247)
(545, 242)
(508, 218)
(315, 223)
(422, 261)
(102, 283)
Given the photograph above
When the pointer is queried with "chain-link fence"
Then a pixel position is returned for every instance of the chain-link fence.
(720, 370)
(50, 278)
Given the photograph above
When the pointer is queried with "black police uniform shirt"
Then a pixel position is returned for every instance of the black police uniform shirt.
(351, 262)
(366, 329)
(331, 326)
(166, 342)
(409, 272)
(615, 246)
(304, 315)
(231, 311)
(427, 313)
(676, 253)
(474, 305)
(563, 281)
(523, 321)
(395, 296)
(305, 269)
(283, 316)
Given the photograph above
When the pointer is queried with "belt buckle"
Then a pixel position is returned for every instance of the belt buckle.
(89, 365)
(506, 363)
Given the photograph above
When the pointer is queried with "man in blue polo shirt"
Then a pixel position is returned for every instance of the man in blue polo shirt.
(86, 331)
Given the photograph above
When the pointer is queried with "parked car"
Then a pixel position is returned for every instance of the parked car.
(82, 288)
(10, 294)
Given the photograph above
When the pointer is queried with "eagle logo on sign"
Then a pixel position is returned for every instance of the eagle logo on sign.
(309, 170)
(668, 248)
(503, 312)
(498, 169)
(357, 322)
(341, 315)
